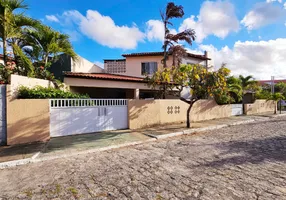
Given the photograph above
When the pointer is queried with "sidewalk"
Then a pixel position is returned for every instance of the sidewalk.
(78, 144)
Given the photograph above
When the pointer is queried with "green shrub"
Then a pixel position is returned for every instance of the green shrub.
(39, 92)
(222, 97)
(263, 94)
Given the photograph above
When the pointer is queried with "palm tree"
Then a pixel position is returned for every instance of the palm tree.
(247, 82)
(47, 44)
(276, 97)
(170, 40)
(8, 20)
(235, 88)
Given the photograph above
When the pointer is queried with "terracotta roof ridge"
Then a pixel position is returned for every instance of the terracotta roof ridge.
(156, 53)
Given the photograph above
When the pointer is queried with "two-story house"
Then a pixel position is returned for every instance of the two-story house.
(124, 78)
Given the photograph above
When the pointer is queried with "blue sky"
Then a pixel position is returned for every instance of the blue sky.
(248, 35)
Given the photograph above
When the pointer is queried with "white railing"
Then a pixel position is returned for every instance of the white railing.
(64, 103)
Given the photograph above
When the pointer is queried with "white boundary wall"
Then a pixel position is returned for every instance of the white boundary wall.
(17, 81)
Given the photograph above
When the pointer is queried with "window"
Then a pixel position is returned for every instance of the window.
(149, 68)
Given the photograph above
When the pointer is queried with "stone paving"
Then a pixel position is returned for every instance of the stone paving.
(239, 162)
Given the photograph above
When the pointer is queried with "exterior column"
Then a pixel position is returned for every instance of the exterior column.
(136, 93)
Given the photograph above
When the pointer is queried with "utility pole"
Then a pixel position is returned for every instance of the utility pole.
(272, 84)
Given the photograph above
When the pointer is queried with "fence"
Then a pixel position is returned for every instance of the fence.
(62, 103)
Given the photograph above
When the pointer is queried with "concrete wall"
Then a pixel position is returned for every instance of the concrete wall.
(133, 64)
(145, 113)
(260, 106)
(66, 64)
(209, 109)
(61, 65)
(193, 61)
(17, 81)
(83, 65)
(28, 120)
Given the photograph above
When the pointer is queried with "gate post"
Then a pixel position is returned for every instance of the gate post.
(3, 121)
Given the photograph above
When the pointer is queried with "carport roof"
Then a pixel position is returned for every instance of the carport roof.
(104, 76)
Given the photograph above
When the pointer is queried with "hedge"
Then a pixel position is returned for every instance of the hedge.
(39, 92)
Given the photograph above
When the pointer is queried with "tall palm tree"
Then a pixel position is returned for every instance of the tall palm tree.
(170, 40)
(44, 45)
(8, 20)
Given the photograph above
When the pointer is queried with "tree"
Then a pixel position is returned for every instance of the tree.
(8, 20)
(44, 45)
(34, 45)
(280, 87)
(170, 40)
(247, 83)
(235, 88)
(276, 97)
(201, 82)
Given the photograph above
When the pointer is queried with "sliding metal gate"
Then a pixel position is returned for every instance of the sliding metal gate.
(78, 116)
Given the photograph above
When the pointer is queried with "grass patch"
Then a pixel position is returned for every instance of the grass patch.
(73, 191)
(29, 193)
(159, 197)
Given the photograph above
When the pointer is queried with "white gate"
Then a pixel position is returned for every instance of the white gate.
(236, 109)
(78, 116)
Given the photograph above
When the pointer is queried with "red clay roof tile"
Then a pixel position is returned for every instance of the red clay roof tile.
(104, 76)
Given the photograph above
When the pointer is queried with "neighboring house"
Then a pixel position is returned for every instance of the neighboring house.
(124, 78)
(269, 82)
(66, 64)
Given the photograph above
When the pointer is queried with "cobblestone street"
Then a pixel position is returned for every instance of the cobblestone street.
(239, 162)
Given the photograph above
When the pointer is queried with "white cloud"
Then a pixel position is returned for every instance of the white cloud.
(261, 59)
(99, 64)
(215, 18)
(270, 1)
(155, 30)
(103, 29)
(284, 5)
(52, 18)
(262, 14)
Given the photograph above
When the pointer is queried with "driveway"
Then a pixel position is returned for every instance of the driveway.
(239, 162)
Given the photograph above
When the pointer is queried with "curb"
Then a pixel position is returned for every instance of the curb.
(35, 159)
